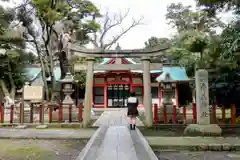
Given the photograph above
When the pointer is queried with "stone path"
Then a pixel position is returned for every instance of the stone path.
(116, 145)
(114, 118)
(118, 142)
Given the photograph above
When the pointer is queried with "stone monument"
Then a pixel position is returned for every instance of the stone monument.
(203, 126)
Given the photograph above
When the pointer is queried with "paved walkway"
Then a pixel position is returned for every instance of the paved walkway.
(118, 142)
(117, 145)
(114, 118)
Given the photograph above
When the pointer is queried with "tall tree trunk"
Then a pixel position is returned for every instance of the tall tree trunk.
(44, 78)
(13, 86)
(4, 88)
(43, 70)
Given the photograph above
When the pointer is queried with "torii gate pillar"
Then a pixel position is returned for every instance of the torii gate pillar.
(147, 91)
(88, 92)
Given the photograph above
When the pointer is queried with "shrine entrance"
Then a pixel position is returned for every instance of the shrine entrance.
(91, 54)
(117, 95)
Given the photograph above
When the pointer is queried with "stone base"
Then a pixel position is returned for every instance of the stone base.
(42, 126)
(21, 126)
(202, 130)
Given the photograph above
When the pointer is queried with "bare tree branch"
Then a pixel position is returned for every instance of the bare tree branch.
(124, 31)
(108, 24)
(94, 40)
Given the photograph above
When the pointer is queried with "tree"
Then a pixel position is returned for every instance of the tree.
(48, 15)
(155, 42)
(218, 53)
(195, 34)
(103, 25)
(13, 58)
(184, 18)
(219, 5)
(107, 24)
(225, 79)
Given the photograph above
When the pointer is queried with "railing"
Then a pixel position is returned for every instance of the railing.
(41, 114)
(186, 115)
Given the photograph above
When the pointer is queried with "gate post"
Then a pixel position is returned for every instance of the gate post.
(147, 97)
(88, 92)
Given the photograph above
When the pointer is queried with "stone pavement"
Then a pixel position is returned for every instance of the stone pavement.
(114, 141)
(114, 118)
(117, 144)
(46, 133)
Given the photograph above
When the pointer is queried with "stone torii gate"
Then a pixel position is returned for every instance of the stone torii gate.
(144, 54)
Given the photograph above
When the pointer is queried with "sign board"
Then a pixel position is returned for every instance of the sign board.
(33, 92)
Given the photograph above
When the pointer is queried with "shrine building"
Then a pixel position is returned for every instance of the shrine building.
(111, 88)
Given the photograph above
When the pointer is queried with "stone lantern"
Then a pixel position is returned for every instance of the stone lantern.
(67, 89)
(168, 86)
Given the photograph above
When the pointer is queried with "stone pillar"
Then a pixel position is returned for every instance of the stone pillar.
(88, 92)
(202, 97)
(147, 91)
(203, 126)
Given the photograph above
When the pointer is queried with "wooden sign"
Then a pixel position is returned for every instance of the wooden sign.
(33, 92)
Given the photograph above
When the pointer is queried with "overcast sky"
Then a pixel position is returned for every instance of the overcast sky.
(153, 12)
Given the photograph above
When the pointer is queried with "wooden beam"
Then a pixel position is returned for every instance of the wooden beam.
(108, 67)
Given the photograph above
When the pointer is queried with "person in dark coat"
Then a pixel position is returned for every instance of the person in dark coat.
(132, 104)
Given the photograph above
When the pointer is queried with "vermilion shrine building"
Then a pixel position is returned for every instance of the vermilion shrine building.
(112, 88)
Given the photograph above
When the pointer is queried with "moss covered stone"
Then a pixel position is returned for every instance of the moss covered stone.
(203, 130)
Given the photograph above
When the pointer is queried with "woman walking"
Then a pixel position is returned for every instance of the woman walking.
(132, 104)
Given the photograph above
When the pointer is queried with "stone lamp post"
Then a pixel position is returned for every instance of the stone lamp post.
(168, 86)
(67, 89)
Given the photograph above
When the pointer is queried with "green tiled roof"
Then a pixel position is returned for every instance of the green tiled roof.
(176, 73)
(33, 72)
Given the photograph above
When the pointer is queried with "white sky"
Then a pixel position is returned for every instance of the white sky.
(153, 12)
